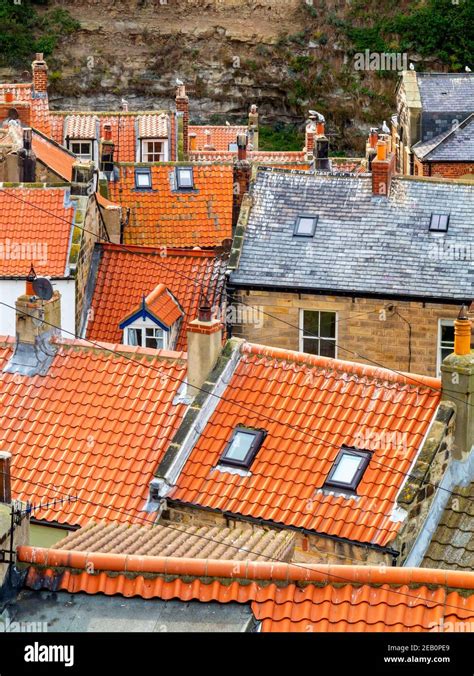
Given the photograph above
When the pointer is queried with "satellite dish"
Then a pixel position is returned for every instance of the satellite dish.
(43, 288)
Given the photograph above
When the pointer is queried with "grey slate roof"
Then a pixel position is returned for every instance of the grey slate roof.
(456, 145)
(452, 545)
(363, 243)
(446, 92)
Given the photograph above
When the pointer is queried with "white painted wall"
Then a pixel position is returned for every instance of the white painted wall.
(10, 289)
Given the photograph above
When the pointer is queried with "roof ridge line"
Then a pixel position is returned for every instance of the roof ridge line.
(376, 372)
(248, 570)
(119, 348)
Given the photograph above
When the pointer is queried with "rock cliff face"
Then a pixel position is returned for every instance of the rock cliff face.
(284, 55)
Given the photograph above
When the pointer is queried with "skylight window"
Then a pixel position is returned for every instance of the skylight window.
(439, 223)
(233, 147)
(305, 226)
(348, 469)
(242, 447)
(184, 177)
(142, 178)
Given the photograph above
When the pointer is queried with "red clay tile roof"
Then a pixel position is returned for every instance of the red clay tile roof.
(125, 275)
(161, 304)
(93, 428)
(283, 596)
(53, 156)
(153, 126)
(39, 106)
(166, 217)
(81, 126)
(123, 129)
(276, 159)
(220, 136)
(29, 233)
(316, 405)
(239, 543)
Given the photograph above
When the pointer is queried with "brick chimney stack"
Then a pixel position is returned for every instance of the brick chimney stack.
(182, 106)
(310, 133)
(40, 74)
(107, 150)
(5, 478)
(204, 337)
(383, 168)
(242, 172)
(457, 378)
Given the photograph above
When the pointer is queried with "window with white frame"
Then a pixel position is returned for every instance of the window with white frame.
(153, 151)
(445, 340)
(83, 149)
(145, 334)
(318, 332)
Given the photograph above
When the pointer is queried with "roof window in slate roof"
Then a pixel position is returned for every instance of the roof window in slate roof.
(348, 468)
(143, 178)
(305, 226)
(439, 223)
(242, 447)
(184, 178)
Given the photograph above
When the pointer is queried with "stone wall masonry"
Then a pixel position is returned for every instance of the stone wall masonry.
(419, 490)
(361, 335)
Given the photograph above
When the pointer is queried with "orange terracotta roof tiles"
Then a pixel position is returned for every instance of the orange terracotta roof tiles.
(123, 126)
(164, 216)
(219, 136)
(316, 406)
(238, 543)
(124, 275)
(35, 227)
(283, 597)
(81, 126)
(153, 126)
(53, 155)
(92, 428)
(38, 104)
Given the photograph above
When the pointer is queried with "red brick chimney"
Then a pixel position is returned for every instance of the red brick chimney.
(182, 106)
(5, 478)
(309, 137)
(40, 74)
(383, 168)
(242, 171)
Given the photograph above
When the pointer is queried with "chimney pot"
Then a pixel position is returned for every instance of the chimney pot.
(462, 333)
(107, 132)
(381, 150)
(5, 478)
(204, 313)
(8, 96)
(320, 128)
(242, 140)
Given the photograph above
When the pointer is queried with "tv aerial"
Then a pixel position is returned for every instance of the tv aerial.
(43, 288)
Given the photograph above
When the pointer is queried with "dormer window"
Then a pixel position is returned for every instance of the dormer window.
(143, 179)
(439, 223)
(348, 469)
(184, 178)
(242, 447)
(153, 150)
(305, 226)
(83, 149)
